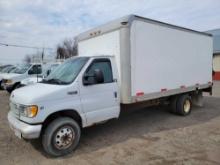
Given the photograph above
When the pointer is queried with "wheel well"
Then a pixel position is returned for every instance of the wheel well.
(17, 83)
(64, 113)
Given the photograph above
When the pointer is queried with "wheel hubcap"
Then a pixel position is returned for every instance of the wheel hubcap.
(187, 106)
(64, 137)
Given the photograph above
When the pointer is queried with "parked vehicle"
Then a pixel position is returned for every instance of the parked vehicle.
(52, 68)
(126, 63)
(39, 78)
(3, 66)
(7, 69)
(12, 81)
(4, 71)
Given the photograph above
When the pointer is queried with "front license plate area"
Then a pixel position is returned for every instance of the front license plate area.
(17, 133)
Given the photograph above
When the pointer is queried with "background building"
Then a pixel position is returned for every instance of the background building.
(216, 53)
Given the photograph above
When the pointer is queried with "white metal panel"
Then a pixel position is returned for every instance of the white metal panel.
(216, 63)
(106, 44)
(162, 57)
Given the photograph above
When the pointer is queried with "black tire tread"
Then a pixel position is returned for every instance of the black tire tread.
(180, 101)
(173, 104)
(48, 136)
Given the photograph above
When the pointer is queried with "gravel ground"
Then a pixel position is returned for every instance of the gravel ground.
(146, 136)
(216, 87)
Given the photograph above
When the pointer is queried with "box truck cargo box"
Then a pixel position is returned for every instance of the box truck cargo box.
(153, 59)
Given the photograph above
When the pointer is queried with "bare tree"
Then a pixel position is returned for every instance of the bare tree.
(27, 59)
(67, 49)
(60, 52)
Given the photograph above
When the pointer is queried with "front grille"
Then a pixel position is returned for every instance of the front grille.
(14, 108)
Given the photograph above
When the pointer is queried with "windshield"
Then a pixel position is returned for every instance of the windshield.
(2, 68)
(7, 69)
(12, 69)
(21, 69)
(54, 66)
(67, 72)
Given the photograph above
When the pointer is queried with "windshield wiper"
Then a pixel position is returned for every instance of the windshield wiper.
(54, 81)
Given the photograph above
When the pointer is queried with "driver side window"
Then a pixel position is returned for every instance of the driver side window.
(105, 66)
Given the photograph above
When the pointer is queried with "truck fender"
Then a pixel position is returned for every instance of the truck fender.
(64, 113)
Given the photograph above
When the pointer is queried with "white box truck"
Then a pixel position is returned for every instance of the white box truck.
(128, 62)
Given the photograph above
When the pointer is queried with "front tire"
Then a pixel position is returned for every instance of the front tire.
(16, 86)
(61, 137)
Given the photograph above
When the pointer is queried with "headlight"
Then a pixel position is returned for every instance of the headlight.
(29, 111)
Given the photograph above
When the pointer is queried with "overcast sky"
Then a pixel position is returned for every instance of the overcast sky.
(45, 23)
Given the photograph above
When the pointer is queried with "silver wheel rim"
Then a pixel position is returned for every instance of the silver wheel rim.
(64, 137)
(187, 106)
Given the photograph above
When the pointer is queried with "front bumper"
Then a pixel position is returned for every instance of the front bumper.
(24, 130)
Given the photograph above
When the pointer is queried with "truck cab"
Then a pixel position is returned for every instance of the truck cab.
(12, 81)
(83, 91)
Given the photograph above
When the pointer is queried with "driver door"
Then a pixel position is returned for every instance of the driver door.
(100, 101)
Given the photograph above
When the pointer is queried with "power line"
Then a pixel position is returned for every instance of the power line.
(24, 46)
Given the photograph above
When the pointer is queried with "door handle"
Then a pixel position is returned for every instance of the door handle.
(115, 94)
(72, 92)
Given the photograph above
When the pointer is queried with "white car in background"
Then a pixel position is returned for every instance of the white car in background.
(33, 80)
(6, 70)
(12, 81)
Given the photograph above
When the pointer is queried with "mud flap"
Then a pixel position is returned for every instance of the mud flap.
(197, 99)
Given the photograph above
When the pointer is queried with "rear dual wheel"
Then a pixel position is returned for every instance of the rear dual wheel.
(181, 105)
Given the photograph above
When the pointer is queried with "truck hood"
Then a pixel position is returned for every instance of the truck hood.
(10, 76)
(31, 80)
(38, 92)
(2, 75)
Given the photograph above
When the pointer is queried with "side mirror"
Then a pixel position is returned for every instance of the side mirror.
(31, 71)
(96, 78)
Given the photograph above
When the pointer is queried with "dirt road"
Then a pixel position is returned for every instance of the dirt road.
(147, 136)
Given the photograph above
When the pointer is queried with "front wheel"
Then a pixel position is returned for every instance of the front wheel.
(61, 136)
(11, 89)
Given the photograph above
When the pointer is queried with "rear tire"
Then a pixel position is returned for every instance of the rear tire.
(9, 90)
(18, 86)
(173, 104)
(61, 137)
(184, 105)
